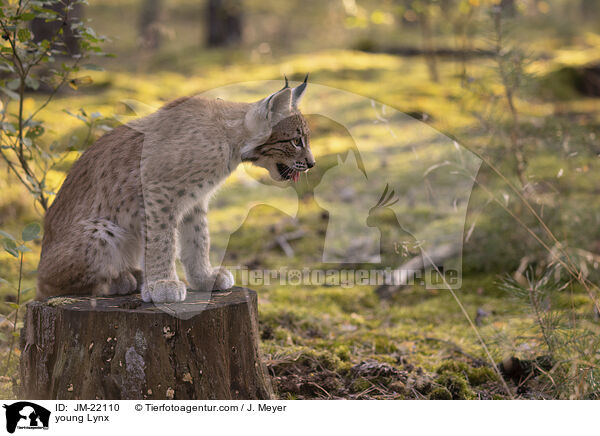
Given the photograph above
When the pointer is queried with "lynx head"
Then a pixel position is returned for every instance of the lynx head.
(280, 134)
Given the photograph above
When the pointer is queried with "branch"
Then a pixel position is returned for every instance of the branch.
(13, 168)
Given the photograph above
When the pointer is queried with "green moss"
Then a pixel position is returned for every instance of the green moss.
(360, 385)
(456, 385)
(452, 366)
(440, 393)
(59, 301)
(383, 345)
(479, 376)
(281, 334)
(322, 359)
(399, 387)
(475, 376)
(342, 352)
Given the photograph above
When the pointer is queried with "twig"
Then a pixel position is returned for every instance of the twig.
(282, 241)
(320, 387)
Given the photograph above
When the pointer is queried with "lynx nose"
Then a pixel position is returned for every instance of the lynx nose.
(310, 163)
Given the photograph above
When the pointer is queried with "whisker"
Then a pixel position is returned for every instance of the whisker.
(287, 171)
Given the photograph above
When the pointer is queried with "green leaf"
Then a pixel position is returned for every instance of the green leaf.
(10, 93)
(3, 281)
(7, 235)
(13, 84)
(23, 249)
(93, 67)
(44, 12)
(35, 131)
(24, 35)
(12, 252)
(8, 127)
(14, 305)
(27, 16)
(31, 232)
(16, 333)
(7, 67)
(32, 83)
(10, 247)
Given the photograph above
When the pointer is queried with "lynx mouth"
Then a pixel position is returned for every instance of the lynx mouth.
(287, 173)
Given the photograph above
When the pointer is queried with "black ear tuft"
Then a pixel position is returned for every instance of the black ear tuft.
(298, 92)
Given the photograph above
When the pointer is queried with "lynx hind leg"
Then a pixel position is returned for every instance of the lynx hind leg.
(92, 258)
(138, 275)
(126, 283)
(110, 255)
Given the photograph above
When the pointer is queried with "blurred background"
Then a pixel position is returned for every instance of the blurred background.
(514, 82)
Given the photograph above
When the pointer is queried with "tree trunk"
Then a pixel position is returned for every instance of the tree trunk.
(427, 37)
(223, 22)
(150, 23)
(508, 8)
(122, 348)
(47, 30)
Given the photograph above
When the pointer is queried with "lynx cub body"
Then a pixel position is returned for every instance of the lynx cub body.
(139, 196)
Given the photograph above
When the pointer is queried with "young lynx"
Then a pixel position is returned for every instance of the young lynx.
(140, 194)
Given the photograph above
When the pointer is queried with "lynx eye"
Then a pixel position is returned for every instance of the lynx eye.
(297, 142)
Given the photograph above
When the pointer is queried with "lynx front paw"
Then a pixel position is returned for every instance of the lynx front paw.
(219, 280)
(164, 291)
(223, 279)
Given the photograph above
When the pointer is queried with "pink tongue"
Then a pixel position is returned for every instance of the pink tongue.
(295, 176)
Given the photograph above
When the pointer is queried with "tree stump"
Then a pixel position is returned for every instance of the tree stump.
(122, 348)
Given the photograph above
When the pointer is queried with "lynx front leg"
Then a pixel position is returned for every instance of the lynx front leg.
(194, 249)
(161, 284)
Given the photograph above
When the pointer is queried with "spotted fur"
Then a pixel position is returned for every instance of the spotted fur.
(139, 196)
(288, 146)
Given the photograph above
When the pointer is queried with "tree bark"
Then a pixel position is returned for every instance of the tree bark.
(427, 37)
(48, 30)
(122, 348)
(509, 8)
(150, 23)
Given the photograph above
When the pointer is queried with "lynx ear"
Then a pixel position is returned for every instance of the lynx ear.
(298, 92)
(279, 105)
